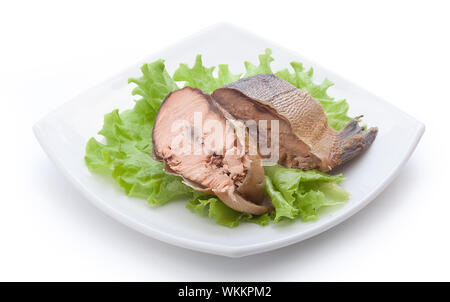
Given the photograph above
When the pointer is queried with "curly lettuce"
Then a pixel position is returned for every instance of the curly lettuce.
(125, 153)
(302, 193)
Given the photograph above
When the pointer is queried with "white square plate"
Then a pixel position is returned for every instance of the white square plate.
(63, 135)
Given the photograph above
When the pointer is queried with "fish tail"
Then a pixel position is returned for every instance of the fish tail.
(353, 139)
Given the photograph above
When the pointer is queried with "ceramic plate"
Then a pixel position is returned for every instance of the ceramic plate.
(63, 135)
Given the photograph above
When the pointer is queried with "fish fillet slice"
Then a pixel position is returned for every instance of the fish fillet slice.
(306, 140)
(236, 178)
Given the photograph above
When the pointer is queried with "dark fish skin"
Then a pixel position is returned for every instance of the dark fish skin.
(306, 140)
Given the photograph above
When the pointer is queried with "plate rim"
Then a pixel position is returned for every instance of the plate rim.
(215, 248)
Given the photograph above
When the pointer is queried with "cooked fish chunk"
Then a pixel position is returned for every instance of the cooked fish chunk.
(305, 138)
(235, 176)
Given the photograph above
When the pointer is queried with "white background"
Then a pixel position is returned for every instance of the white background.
(52, 51)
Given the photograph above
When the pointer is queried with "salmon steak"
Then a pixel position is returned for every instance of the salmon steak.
(185, 137)
(306, 141)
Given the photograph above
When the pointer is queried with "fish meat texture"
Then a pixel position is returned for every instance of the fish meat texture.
(235, 176)
(306, 141)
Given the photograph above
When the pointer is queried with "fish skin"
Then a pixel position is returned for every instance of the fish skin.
(197, 171)
(317, 145)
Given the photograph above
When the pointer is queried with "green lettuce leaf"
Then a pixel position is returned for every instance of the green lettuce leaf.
(153, 86)
(211, 206)
(263, 67)
(125, 153)
(202, 77)
(283, 208)
(302, 193)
